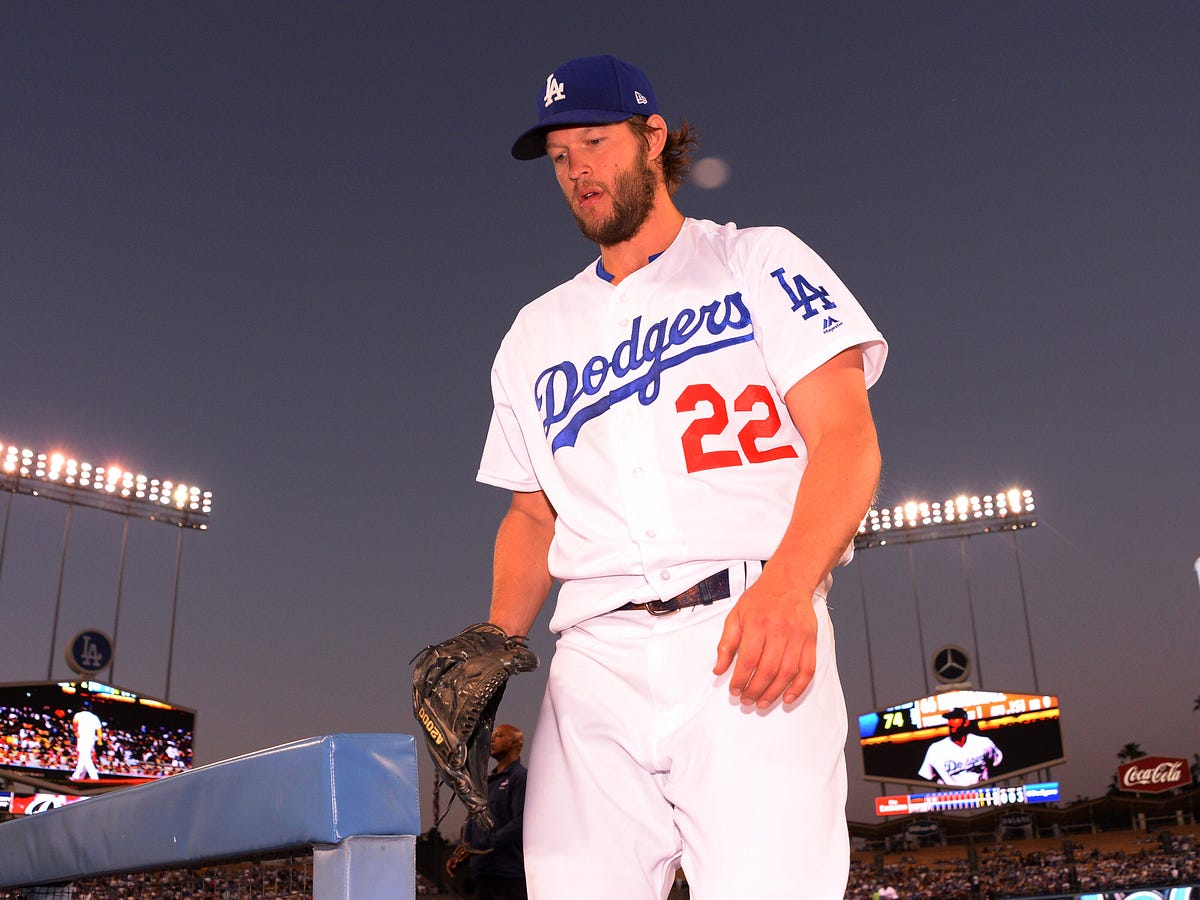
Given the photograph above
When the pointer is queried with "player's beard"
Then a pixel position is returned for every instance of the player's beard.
(632, 194)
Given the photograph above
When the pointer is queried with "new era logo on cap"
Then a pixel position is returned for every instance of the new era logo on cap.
(591, 90)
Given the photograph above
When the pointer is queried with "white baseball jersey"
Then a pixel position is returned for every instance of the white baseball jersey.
(651, 412)
(947, 762)
(87, 727)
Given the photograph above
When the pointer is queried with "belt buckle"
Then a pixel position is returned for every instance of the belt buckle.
(662, 610)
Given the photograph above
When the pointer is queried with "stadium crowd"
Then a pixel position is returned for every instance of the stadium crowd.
(1002, 871)
(40, 739)
(1006, 871)
(277, 879)
(1010, 871)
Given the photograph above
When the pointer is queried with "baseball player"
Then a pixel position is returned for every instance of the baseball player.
(961, 758)
(690, 405)
(89, 731)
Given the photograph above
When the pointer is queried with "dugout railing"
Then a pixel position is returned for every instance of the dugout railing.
(350, 799)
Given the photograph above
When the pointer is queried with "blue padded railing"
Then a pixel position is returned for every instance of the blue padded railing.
(311, 793)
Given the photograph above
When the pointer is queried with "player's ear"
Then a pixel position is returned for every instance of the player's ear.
(656, 139)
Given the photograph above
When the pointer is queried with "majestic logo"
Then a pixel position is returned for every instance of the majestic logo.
(1153, 774)
(830, 324)
(559, 389)
(554, 90)
(640, 98)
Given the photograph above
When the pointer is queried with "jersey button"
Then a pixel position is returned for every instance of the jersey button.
(664, 575)
(650, 533)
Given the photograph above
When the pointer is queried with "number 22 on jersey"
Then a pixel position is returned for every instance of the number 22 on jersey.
(761, 428)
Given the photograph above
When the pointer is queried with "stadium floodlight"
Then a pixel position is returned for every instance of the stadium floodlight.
(961, 516)
(57, 476)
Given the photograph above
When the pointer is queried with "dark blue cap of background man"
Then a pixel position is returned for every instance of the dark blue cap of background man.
(591, 90)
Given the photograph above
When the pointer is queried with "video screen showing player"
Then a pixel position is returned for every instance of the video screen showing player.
(91, 737)
(962, 758)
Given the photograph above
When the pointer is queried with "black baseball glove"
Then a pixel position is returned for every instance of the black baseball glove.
(457, 686)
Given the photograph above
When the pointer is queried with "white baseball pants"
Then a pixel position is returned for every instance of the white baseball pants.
(642, 761)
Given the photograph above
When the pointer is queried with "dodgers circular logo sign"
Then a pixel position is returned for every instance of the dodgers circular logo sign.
(89, 652)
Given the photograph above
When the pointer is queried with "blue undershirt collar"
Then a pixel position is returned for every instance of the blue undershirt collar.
(607, 276)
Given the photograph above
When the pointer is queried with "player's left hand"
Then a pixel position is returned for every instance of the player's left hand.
(773, 635)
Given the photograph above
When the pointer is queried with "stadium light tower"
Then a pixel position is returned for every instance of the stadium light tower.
(111, 488)
(960, 517)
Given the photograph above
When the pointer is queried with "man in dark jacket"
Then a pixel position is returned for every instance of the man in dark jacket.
(497, 857)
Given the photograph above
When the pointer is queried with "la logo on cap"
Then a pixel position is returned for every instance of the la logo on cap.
(554, 90)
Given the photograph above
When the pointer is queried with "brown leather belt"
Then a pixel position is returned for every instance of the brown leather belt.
(713, 588)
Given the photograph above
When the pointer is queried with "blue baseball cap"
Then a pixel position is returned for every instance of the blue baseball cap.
(591, 90)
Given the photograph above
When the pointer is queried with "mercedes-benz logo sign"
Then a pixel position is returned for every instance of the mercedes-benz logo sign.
(951, 664)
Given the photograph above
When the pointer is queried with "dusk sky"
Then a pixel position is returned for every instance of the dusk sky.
(270, 249)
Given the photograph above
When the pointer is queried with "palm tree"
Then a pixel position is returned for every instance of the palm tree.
(1130, 752)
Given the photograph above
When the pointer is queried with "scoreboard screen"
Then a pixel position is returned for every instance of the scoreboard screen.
(961, 738)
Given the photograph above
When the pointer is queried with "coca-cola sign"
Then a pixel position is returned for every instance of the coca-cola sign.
(1153, 774)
